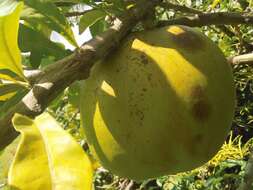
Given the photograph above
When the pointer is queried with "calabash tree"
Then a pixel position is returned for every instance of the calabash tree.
(38, 77)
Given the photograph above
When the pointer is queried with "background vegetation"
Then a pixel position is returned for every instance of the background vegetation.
(227, 169)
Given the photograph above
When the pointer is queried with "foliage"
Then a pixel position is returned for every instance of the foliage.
(39, 18)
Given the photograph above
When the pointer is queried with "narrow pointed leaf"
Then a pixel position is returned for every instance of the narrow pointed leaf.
(48, 157)
(10, 57)
(8, 90)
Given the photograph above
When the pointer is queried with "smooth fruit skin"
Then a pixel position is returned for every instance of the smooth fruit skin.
(162, 103)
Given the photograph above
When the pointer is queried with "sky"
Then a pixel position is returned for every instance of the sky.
(85, 36)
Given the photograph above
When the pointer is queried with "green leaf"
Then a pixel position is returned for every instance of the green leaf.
(74, 94)
(45, 14)
(90, 18)
(8, 90)
(98, 27)
(9, 75)
(7, 105)
(10, 57)
(50, 155)
(45, 47)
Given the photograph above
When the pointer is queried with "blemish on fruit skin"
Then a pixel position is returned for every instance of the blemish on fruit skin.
(149, 76)
(198, 138)
(201, 110)
(200, 107)
(188, 40)
(144, 59)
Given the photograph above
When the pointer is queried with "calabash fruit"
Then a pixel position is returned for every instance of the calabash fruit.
(161, 104)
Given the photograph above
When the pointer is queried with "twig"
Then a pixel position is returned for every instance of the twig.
(225, 29)
(239, 59)
(64, 4)
(207, 19)
(75, 13)
(176, 7)
(77, 66)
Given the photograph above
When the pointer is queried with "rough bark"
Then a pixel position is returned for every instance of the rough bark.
(207, 19)
(55, 78)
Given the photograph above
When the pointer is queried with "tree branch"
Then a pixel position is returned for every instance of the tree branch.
(181, 8)
(77, 13)
(225, 29)
(239, 59)
(64, 4)
(60, 75)
(207, 19)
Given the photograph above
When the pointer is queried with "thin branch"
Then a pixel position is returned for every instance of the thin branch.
(64, 4)
(241, 59)
(207, 19)
(77, 13)
(77, 66)
(181, 8)
(225, 29)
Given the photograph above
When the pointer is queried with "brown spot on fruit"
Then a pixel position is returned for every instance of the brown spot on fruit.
(144, 59)
(197, 92)
(201, 110)
(200, 107)
(188, 40)
(198, 138)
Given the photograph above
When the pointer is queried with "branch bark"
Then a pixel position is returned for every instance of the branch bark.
(225, 29)
(207, 19)
(181, 8)
(245, 58)
(77, 13)
(77, 66)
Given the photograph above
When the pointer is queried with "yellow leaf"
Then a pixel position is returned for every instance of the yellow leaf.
(48, 158)
(8, 90)
(6, 158)
(215, 3)
(10, 56)
(7, 96)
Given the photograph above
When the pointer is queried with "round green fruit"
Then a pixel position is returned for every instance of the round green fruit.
(161, 104)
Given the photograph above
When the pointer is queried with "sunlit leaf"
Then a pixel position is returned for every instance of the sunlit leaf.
(215, 3)
(10, 57)
(48, 157)
(6, 157)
